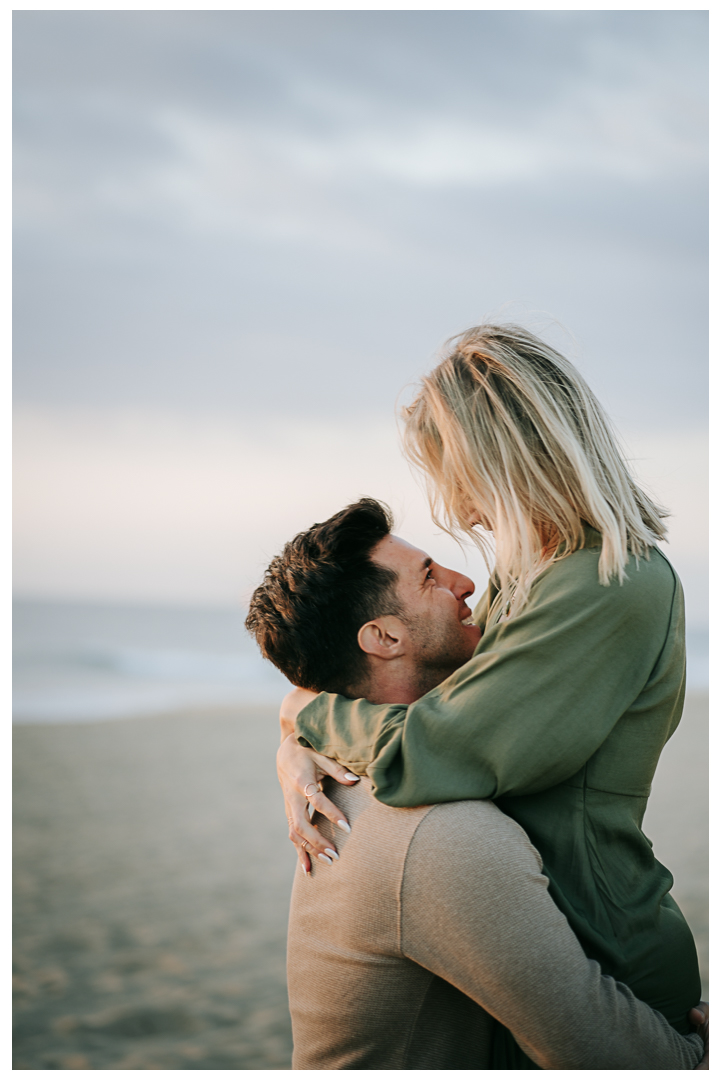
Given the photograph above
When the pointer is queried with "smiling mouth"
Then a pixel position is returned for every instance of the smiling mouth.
(468, 621)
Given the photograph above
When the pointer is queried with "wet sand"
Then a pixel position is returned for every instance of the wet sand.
(152, 882)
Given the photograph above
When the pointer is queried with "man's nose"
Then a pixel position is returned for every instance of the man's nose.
(465, 587)
(458, 584)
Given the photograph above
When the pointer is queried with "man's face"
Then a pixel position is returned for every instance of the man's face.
(433, 600)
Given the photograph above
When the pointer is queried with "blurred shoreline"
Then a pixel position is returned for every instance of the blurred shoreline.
(75, 661)
(84, 661)
(153, 876)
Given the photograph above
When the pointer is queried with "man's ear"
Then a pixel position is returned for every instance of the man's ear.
(384, 637)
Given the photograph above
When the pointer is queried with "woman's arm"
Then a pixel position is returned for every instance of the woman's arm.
(300, 772)
(290, 706)
(539, 697)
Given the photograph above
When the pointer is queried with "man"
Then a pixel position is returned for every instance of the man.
(423, 924)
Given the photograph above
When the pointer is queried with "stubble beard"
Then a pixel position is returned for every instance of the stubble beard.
(439, 651)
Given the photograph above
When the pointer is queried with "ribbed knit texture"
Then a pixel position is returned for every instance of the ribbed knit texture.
(432, 916)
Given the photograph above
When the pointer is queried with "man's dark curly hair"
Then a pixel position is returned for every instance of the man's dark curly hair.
(316, 595)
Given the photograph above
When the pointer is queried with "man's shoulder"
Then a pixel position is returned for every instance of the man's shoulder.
(386, 830)
(474, 829)
(476, 825)
(469, 862)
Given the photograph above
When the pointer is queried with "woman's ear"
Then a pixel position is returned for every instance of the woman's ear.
(383, 637)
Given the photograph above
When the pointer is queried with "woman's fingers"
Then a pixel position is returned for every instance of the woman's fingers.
(334, 769)
(308, 840)
(300, 771)
(301, 846)
(328, 809)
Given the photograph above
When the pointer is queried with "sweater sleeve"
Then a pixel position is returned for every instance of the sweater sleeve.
(483, 920)
(538, 698)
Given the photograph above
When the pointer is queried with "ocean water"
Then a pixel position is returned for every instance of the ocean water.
(83, 661)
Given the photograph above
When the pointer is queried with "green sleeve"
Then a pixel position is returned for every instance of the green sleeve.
(538, 698)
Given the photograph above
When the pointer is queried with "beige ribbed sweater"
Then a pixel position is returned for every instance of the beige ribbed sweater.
(433, 918)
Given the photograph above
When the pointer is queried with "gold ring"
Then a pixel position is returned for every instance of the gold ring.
(305, 844)
(311, 794)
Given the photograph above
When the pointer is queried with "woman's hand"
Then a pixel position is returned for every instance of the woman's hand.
(300, 771)
(700, 1017)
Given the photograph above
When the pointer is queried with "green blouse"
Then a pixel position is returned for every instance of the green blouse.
(560, 717)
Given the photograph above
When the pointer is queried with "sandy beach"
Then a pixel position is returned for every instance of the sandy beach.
(152, 882)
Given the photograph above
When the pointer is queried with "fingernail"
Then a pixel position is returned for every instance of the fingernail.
(325, 859)
(344, 826)
(305, 871)
(333, 854)
(351, 776)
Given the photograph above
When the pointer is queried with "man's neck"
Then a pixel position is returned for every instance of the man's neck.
(401, 687)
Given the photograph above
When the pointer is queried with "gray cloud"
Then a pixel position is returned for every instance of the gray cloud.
(248, 211)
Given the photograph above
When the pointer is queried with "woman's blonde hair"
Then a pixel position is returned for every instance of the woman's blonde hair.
(506, 426)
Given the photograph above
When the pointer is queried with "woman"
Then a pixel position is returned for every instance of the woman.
(579, 677)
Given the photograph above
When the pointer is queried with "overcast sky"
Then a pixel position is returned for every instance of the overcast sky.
(239, 235)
